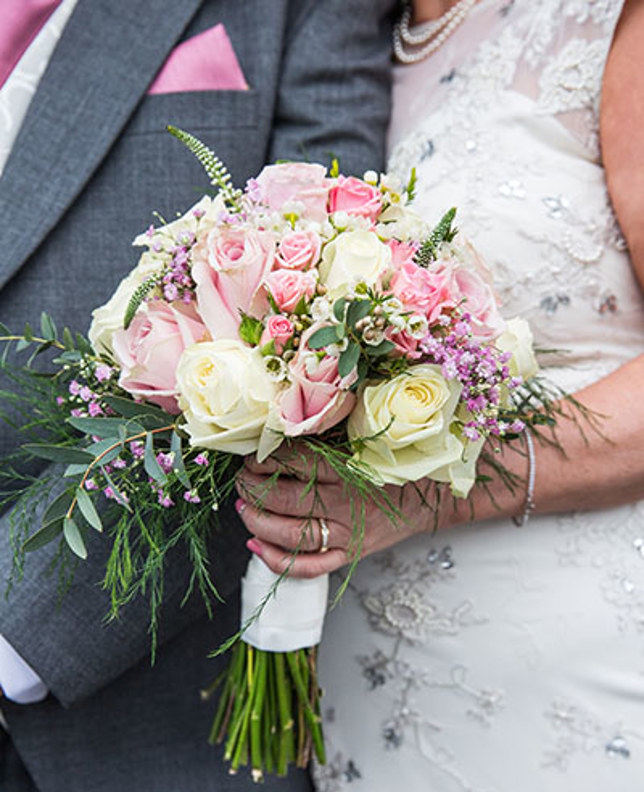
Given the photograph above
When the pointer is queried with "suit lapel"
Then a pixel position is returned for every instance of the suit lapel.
(104, 62)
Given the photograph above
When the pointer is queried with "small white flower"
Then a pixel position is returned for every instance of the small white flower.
(320, 309)
(371, 177)
(417, 326)
(276, 368)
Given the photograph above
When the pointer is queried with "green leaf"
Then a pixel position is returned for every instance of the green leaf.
(338, 309)
(300, 308)
(43, 536)
(363, 369)
(28, 333)
(106, 427)
(74, 470)
(118, 495)
(358, 310)
(323, 337)
(4, 330)
(58, 508)
(103, 446)
(22, 344)
(54, 453)
(250, 330)
(68, 339)
(152, 467)
(178, 466)
(348, 359)
(47, 327)
(88, 510)
(148, 416)
(74, 538)
(383, 348)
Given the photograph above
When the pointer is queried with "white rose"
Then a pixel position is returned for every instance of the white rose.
(108, 319)
(517, 339)
(353, 257)
(225, 394)
(409, 421)
(403, 223)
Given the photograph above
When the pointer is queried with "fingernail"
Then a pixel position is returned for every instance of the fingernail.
(254, 547)
(240, 505)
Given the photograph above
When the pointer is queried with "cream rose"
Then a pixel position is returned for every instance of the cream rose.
(408, 420)
(108, 319)
(517, 339)
(225, 394)
(353, 257)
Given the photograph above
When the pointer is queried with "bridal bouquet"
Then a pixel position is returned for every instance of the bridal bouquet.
(309, 308)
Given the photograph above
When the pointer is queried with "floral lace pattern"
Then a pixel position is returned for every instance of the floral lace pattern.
(498, 658)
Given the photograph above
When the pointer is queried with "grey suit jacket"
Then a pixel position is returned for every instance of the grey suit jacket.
(91, 163)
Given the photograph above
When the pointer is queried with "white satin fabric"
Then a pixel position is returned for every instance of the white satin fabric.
(494, 658)
(291, 618)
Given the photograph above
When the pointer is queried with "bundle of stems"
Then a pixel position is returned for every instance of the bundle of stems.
(269, 710)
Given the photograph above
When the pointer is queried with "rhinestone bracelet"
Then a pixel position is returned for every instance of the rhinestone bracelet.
(528, 504)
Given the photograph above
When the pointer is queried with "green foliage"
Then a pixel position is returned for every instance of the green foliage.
(250, 330)
(442, 233)
(214, 167)
(410, 188)
(138, 297)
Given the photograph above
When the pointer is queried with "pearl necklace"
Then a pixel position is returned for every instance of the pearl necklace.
(432, 34)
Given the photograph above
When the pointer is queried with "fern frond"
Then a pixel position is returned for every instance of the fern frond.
(214, 167)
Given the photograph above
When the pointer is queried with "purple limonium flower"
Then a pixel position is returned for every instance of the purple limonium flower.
(166, 461)
(202, 459)
(103, 372)
(191, 496)
(165, 500)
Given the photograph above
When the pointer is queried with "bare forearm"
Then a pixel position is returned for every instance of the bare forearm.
(592, 468)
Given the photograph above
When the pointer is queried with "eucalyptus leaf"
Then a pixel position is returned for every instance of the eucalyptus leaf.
(111, 448)
(152, 467)
(88, 510)
(28, 333)
(338, 309)
(358, 310)
(54, 453)
(74, 470)
(47, 327)
(323, 337)
(348, 359)
(68, 339)
(106, 427)
(178, 466)
(23, 344)
(383, 348)
(146, 414)
(74, 538)
(43, 536)
(58, 508)
(118, 495)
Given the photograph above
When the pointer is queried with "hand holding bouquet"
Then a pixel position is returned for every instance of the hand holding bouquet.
(310, 306)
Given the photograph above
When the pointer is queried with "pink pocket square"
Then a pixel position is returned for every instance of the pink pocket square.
(206, 62)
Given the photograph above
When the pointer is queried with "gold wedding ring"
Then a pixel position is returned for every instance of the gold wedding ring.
(324, 535)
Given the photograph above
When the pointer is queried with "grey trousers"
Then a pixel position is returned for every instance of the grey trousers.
(13, 776)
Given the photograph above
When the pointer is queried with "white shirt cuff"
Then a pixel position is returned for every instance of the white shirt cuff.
(17, 678)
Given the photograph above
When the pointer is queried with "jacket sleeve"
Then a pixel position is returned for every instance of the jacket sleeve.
(334, 92)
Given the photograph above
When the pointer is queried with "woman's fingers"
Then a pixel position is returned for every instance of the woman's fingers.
(294, 462)
(289, 533)
(287, 496)
(302, 565)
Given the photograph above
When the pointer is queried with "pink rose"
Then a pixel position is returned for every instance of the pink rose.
(355, 197)
(299, 182)
(287, 287)
(298, 250)
(229, 267)
(402, 253)
(149, 350)
(406, 344)
(278, 329)
(428, 291)
(479, 302)
(317, 399)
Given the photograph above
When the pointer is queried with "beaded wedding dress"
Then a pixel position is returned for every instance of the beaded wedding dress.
(494, 658)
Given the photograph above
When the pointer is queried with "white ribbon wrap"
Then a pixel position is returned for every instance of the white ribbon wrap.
(292, 618)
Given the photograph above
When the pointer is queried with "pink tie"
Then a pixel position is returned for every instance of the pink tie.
(21, 21)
